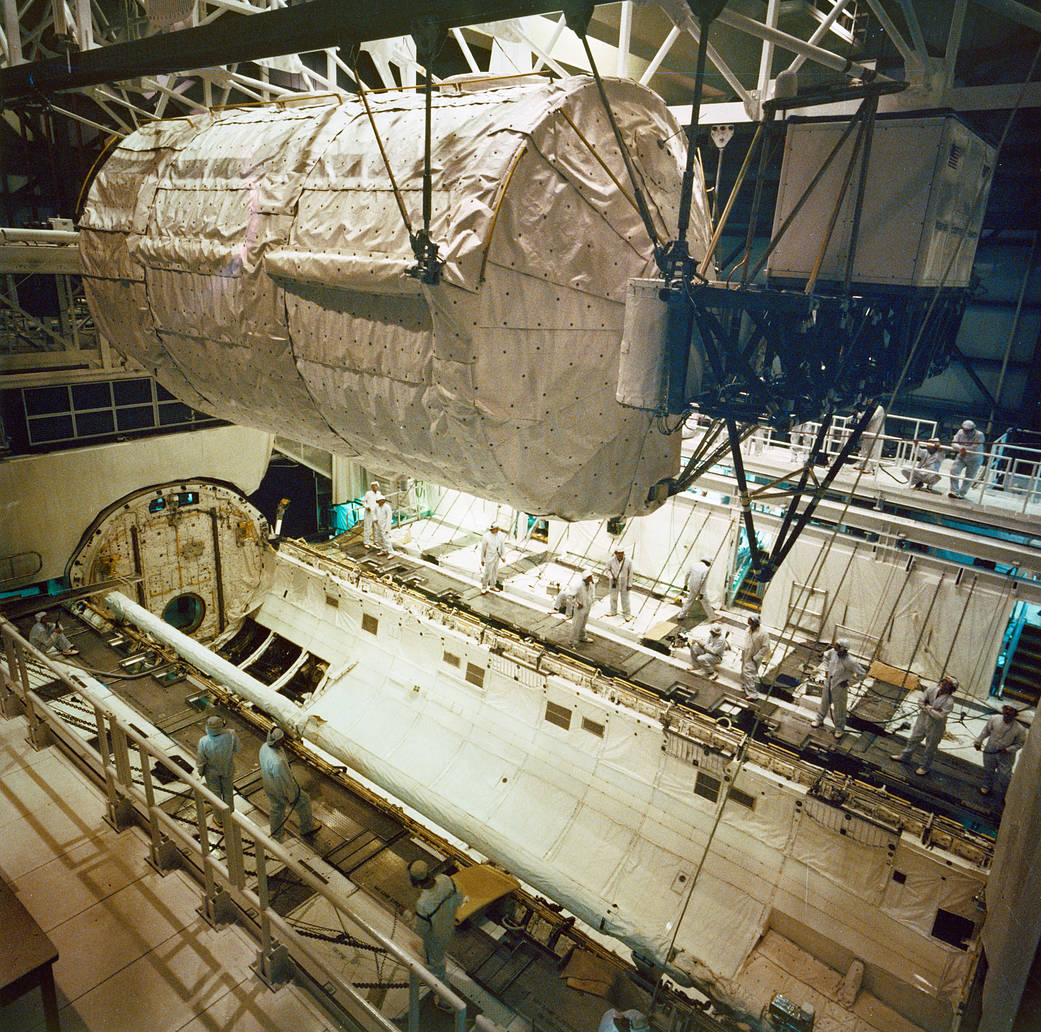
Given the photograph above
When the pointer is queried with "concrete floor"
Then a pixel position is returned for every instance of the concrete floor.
(133, 951)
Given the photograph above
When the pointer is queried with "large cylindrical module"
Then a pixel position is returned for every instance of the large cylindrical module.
(255, 260)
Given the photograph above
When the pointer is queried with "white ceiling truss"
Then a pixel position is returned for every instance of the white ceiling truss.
(645, 40)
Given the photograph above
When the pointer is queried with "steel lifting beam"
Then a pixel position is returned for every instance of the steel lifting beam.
(234, 38)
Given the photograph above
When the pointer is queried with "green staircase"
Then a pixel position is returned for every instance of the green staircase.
(1023, 679)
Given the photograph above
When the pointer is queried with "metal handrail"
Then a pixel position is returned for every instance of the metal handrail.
(116, 737)
(1008, 470)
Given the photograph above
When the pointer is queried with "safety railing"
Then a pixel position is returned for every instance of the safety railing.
(227, 883)
(1007, 476)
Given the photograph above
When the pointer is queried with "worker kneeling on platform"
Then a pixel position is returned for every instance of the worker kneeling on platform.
(439, 899)
(933, 709)
(707, 650)
(283, 791)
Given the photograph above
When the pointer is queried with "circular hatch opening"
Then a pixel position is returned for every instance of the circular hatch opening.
(185, 612)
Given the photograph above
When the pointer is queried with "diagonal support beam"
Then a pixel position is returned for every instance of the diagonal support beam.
(235, 38)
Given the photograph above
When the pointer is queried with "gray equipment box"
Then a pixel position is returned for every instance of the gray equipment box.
(927, 185)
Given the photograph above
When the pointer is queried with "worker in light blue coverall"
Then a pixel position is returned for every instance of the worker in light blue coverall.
(282, 788)
(216, 759)
(435, 913)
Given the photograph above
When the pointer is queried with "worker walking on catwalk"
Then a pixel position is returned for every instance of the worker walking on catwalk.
(707, 650)
(999, 741)
(368, 505)
(216, 760)
(697, 574)
(757, 645)
(47, 636)
(933, 709)
(839, 669)
(283, 790)
(439, 899)
(381, 526)
(926, 469)
(620, 574)
(968, 457)
(493, 544)
(574, 602)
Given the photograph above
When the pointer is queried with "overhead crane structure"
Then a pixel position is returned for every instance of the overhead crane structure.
(767, 353)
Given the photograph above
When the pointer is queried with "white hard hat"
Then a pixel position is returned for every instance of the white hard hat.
(715, 629)
(41, 614)
(842, 643)
(275, 735)
(968, 425)
(418, 872)
(588, 575)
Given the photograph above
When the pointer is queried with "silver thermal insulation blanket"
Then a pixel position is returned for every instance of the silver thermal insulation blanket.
(255, 260)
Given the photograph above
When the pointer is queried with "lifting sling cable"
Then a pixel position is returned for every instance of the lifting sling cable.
(833, 218)
(675, 544)
(925, 624)
(641, 201)
(607, 168)
(977, 670)
(805, 195)
(738, 183)
(363, 93)
(961, 619)
(740, 758)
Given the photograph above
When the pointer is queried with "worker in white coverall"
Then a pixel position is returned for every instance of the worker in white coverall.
(368, 505)
(283, 790)
(47, 636)
(574, 602)
(215, 759)
(439, 899)
(926, 470)
(968, 457)
(707, 650)
(493, 544)
(620, 575)
(381, 526)
(999, 741)
(839, 669)
(871, 439)
(757, 645)
(933, 709)
(697, 574)
(623, 1021)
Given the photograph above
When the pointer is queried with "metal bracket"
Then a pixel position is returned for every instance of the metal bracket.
(218, 909)
(274, 966)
